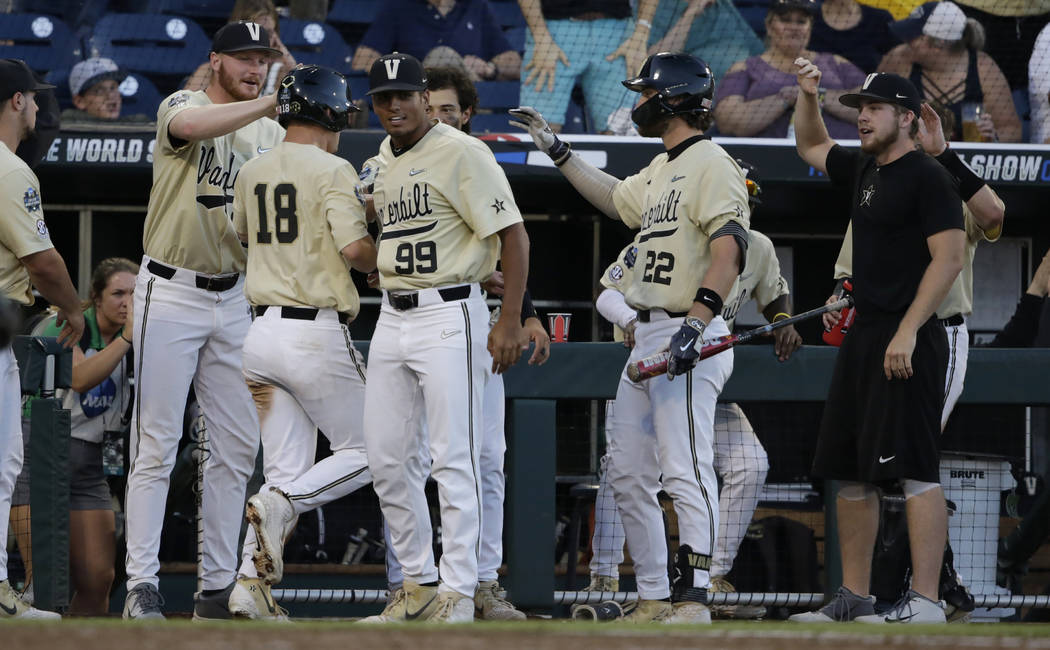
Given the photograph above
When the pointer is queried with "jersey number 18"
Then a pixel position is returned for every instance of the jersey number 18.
(286, 220)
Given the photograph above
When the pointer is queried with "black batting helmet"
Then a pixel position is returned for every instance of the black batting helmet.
(317, 94)
(673, 75)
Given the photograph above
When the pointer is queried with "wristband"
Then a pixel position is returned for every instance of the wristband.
(969, 182)
(121, 335)
(559, 151)
(781, 316)
(710, 299)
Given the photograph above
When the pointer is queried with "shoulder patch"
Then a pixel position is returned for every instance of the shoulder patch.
(616, 273)
(41, 229)
(630, 256)
(31, 199)
(178, 99)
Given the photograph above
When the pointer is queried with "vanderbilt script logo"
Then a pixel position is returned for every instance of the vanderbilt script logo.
(408, 206)
(663, 211)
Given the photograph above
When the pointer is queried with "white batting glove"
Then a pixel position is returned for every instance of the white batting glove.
(546, 140)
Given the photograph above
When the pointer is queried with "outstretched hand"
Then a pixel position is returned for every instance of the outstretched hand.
(931, 134)
(808, 75)
(528, 118)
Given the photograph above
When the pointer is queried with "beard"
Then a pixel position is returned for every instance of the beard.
(233, 87)
(878, 144)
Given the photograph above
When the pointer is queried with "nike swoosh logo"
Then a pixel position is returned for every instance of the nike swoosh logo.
(900, 96)
(413, 172)
(445, 334)
(10, 612)
(268, 601)
(262, 150)
(676, 178)
(410, 616)
(886, 460)
(685, 347)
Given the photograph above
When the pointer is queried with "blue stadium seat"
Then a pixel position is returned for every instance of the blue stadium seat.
(139, 96)
(492, 123)
(754, 12)
(156, 45)
(44, 42)
(498, 94)
(313, 42)
(358, 84)
(516, 36)
(59, 77)
(508, 13)
(353, 12)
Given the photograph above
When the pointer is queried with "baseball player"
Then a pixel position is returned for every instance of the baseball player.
(27, 258)
(983, 213)
(739, 458)
(447, 214)
(191, 316)
(691, 248)
(295, 208)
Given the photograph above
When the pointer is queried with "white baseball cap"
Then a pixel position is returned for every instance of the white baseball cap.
(943, 20)
(88, 73)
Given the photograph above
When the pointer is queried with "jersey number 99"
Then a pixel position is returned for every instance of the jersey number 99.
(286, 220)
(420, 258)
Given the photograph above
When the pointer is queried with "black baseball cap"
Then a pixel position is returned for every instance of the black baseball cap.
(17, 77)
(242, 36)
(396, 71)
(885, 87)
(782, 6)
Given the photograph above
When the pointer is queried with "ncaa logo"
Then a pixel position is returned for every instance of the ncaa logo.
(391, 67)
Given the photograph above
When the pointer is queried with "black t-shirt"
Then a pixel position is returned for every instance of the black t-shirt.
(564, 9)
(895, 207)
(863, 45)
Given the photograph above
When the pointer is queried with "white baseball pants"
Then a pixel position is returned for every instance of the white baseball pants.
(306, 375)
(958, 353)
(430, 361)
(184, 334)
(667, 428)
(10, 443)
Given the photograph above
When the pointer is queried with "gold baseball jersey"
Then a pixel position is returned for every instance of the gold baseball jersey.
(22, 228)
(678, 203)
(188, 218)
(297, 206)
(960, 296)
(760, 280)
(440, 205)
(621, 272)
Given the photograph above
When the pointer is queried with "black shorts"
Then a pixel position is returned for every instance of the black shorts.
(88, 489)
(874, 429)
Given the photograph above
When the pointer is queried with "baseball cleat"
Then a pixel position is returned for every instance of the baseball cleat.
(650, 611)
(603, 583)
(12, 606)
(271, 515)
(453, 607)
(251, 599)
(413, 602)
(912, 608)
(719, 585)
(690, 612)
(491, 605)
(213, 606)
(844, 606)
(143, 603)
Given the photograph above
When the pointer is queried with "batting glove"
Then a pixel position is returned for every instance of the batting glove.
(528, 118)
(683, 350)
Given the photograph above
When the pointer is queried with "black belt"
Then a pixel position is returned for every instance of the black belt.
(406, 301)
(952, 321)
(206, 282)
(301, 313)
(645, 315)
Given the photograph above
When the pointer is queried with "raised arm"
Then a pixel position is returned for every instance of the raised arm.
(674, 40)
(811, 136)
(214, 120)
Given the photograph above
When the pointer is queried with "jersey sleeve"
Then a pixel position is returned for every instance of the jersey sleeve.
(938, 214)
(22, 227)
(722, 195)
(618, 275)
(482, 197)
(842, 164)
(629, 198)
(240, 214)
(844, 263)
(343, 212)
(171, 106)
(770, 284)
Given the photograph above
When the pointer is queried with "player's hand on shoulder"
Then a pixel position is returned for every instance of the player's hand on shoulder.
(542, 341)
(72, 327)
(785, 341)
(808, 75)
(507, 340)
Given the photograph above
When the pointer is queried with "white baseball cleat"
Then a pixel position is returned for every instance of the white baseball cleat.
(912, 608)
(453, 607)
(649, 611)
(413, 602)
(690, 612)
(271, 515)
(491, 605)
(251, 599)
(12, 606)
(143, 602)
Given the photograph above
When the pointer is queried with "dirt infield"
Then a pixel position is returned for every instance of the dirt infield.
(183, 635)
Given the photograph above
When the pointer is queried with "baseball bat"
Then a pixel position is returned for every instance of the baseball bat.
(656, 364)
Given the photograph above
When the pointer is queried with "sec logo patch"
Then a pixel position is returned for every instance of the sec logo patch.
(31, 199)
(616, 273)
(41, 229)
